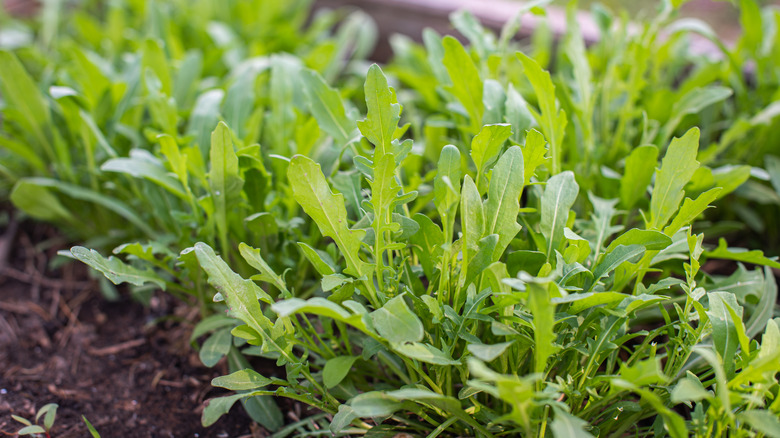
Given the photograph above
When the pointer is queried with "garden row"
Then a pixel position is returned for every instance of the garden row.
(458, 243)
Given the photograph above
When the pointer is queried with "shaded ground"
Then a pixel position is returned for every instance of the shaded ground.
(62, 342)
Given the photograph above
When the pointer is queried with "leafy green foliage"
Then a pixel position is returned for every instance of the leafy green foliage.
(503, 255)
(513, 346)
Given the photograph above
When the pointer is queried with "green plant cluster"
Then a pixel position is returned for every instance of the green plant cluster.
(463, 244)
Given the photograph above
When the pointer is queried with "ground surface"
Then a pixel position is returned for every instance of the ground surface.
(61, 342)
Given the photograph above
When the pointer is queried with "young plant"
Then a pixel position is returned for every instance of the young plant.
(49, 414)
(479, 326)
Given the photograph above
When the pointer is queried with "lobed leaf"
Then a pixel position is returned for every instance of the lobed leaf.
(312, 192)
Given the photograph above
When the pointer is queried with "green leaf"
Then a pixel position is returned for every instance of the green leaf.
(764, 367)
(517, 113)
(83, 194)
(673, 422)
(427, 243)
(326, 106)
(92, 430)
(241, 295)
(384, 112)
(316, 259)
(424, 353)
(142, 164)
(374, 404)
(466, 85)
(49, 413)
(584, 301)
(502, 206)
(30, 430)
(240, 101)
(543, 311)
(216, 347)
(320, 306)
(482, 259)
(312, 192)
(154, 58)
(677, 168)
(20, 92)
(643, 372)
(396, 323)
(740, 254)
(551, 120)
(557, 200)
(176, 159)
(730, 178)
(689, 389)
(22, 420)
(772, 165)
(332, 281)
(217, 407)
(691, 209)
(242, 380)
(39, 202)
(285, 75)
(534, 154)
(205, 114)
(640, 165)
(255, 260)
(336, 369)
(116, 270)
(650, 239)
(472, 218)
(487, 352)
(611, 261)
(210, 324)
(724, 330)
(225, 183)
(446, 186)
(763, 421)
(693, 102)
(764, 309)
(566, 425)
(486, 146)
(345, 415)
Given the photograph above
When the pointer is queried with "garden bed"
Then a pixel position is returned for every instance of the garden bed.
(542, 305)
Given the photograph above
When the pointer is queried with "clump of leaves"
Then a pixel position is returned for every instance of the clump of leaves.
(49, 414)
(499, 318)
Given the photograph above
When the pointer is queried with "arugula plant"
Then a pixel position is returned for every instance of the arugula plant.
(502, 271)
(496, 319)
(108, 131)
(600, 105)
(83, 113)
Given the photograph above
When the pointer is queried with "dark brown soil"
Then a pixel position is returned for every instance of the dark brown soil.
(62, 342)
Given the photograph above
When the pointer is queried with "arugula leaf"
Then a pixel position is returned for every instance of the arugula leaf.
(502, 205)
(551, 120)
(384, 112)
(486, 146)
(557, 200)
(225, 182)
(395, 322)
(312, 192)
(116, 270)
(640, 164)
(677, 168)
(326, 106)
(466, 85)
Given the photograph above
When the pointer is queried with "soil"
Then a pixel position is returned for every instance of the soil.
(62, 342)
